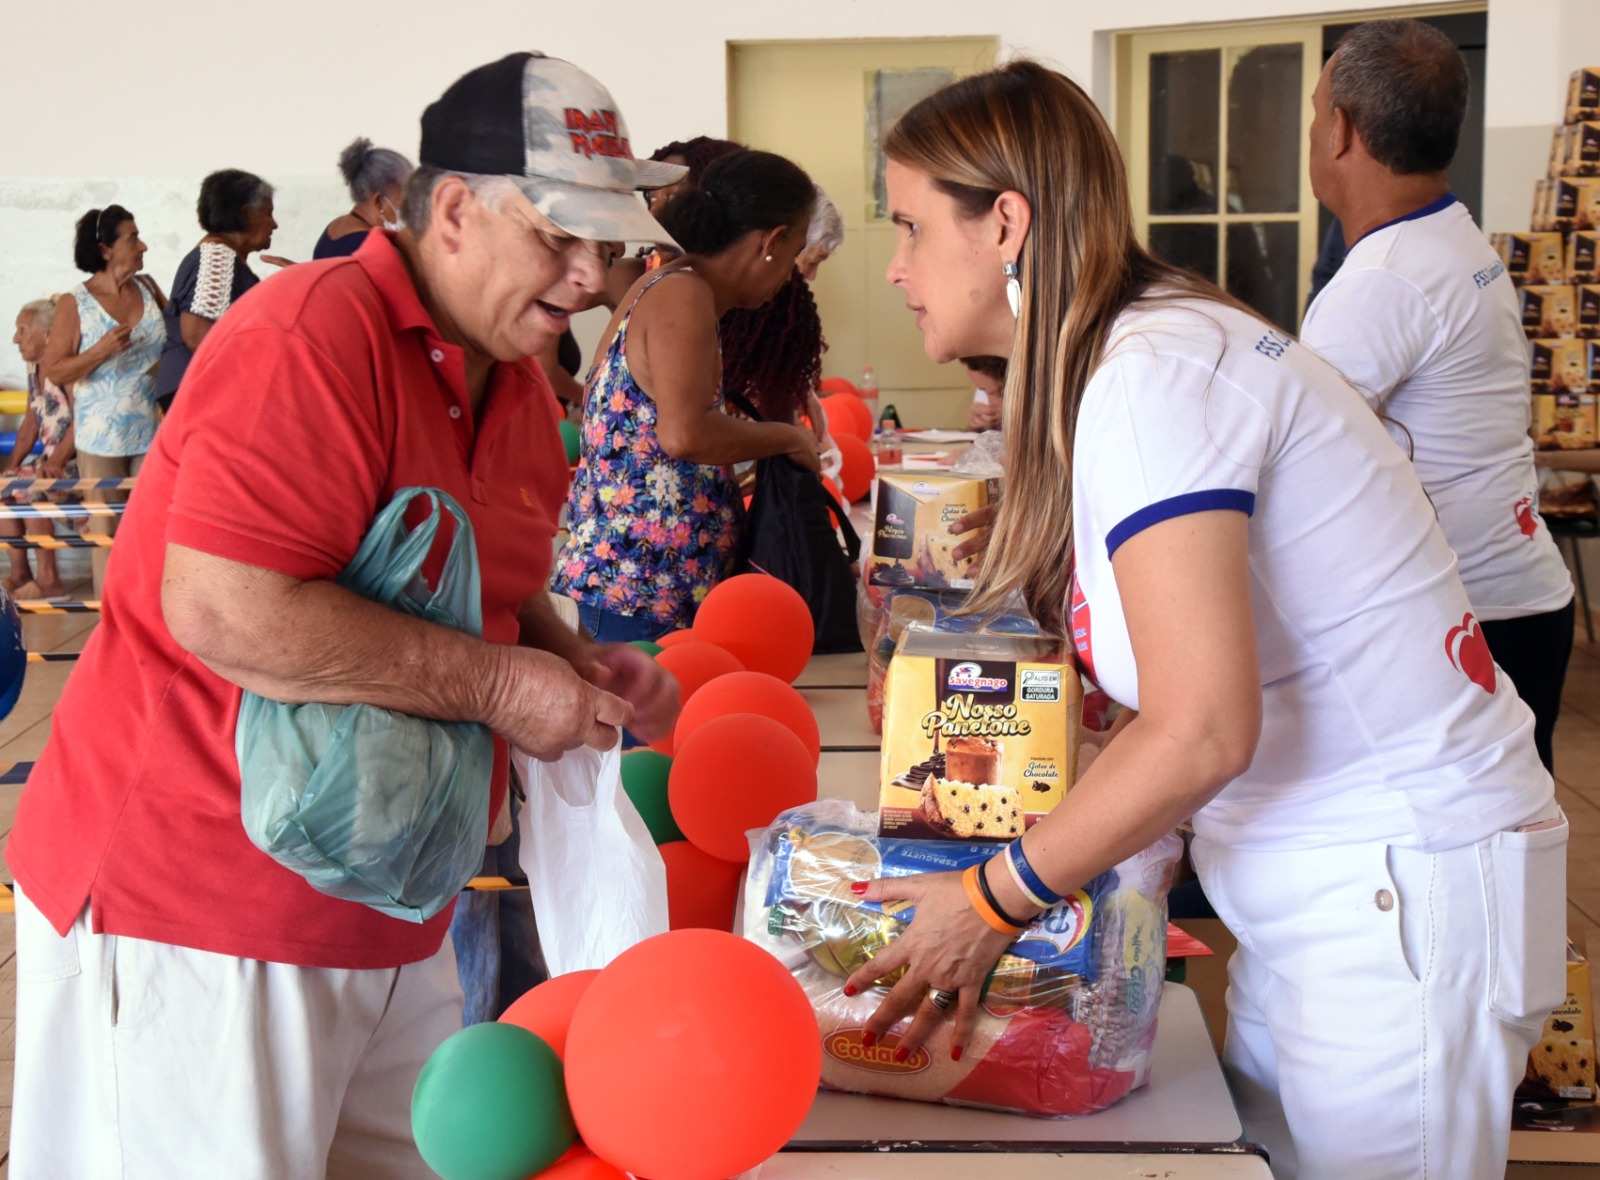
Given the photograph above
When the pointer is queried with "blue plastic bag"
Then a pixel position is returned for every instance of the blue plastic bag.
(367, 804)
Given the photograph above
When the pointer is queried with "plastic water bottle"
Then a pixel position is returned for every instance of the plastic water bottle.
(867, 387)
(887, 445)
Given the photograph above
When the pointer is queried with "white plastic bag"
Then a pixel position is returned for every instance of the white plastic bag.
(598, 884)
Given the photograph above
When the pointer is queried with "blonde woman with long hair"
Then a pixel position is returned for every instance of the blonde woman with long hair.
(1246, 562)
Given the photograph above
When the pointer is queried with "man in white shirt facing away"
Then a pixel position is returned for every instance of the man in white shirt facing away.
(1422, 319)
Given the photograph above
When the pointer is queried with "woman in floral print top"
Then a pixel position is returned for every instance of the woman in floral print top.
(654, 513)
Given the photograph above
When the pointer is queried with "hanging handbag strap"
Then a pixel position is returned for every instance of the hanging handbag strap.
(852, 540)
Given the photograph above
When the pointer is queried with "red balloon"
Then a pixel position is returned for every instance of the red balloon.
(751, 692)
(735, 773)
(695, 1056)
(839, 385)
(837, 493)
(692, 664)
(673, 638)
(856, 468)
(546, 1010)
(580, 1164)
(702, 890)
(847, 414)
(762, 620)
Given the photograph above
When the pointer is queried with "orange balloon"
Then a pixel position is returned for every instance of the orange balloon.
(847, 414)
(839, 385)
(580, 1164)
(695, 1056)
(702, 890)
(735, 773)
(693, 664)
(857, 467)
(762, 620)
(751, 692)
(673, 638)
(546, 1010)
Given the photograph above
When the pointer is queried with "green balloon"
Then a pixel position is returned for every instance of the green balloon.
(570, 439)
(491, 1104)
(644, 777)
(649, 648)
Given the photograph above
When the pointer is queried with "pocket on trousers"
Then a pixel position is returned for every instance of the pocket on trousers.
(1525, 894)
(43, 956)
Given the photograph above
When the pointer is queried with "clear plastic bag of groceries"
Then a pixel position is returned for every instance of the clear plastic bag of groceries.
(1068, 1017)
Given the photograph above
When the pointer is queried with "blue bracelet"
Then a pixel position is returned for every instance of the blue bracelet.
(1038, 891)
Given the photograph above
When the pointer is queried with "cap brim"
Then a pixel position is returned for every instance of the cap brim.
(595, 214)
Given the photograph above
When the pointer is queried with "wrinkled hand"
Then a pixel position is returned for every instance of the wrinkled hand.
(277, 260)
(540, 704)
(48, 468)
(983, 416)
(971, 522)
(627, 672)
(948, 946)
(113, 342)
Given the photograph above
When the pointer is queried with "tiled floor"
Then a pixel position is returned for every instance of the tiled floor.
(24, 732)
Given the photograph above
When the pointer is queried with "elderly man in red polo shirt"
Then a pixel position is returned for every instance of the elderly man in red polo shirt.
(186, 1006)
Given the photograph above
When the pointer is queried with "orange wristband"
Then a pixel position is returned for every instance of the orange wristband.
(969, 882)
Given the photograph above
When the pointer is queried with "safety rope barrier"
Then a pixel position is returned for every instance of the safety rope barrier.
(52, 657)
(34, 606)
(59, 511)
(42, 486)
(87, 541)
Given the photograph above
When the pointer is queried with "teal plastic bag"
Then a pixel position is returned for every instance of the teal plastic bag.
(367, 804)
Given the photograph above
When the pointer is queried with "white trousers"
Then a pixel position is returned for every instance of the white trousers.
(142, 1061)
(1382, 1001)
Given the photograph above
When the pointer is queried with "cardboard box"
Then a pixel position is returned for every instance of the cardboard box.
(1583, 257)
(1537, 258)
(1559, 141)
(1549, 312)
(1561, 1065)
(1559, 366)
(980, 735)
(1582, 149)
(1564, 421)
(1574, 203)
(912, 544)
(1587, 299)
(1542, 217)
(1583, 95)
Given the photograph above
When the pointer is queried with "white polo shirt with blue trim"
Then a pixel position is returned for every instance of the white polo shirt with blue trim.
(1423, 320)
(1383, 716)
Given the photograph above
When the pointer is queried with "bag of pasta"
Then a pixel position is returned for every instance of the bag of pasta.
(1068, 1016)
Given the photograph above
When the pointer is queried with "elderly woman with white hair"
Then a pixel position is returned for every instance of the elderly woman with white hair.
(824, 237)
(377, 179)
(47, 424)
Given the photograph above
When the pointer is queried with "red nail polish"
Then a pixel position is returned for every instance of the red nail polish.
(849, 989)
(902, 1053)
(858, 887)
(868, 1039)
(955, 1053)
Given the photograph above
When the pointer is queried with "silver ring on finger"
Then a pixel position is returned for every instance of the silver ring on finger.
(941, 999)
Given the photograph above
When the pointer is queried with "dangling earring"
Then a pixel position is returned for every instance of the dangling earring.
(1013, 288)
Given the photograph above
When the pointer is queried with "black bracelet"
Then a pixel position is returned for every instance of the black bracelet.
(988, 896)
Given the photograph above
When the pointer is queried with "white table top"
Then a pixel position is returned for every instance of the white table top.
(1185, 1104)
(1238, 1164)
(842, 718)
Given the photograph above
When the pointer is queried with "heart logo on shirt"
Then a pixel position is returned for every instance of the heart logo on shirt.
(1526, 521)
(1469, 652)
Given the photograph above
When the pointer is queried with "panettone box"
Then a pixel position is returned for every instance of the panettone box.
(1583, 95)
(1574, 203)
(1537, 258)
(1582, 149)
(1559, 366)
(1549, 311)
(1561, 1065)
(1586, 307)
(1564, 421)
(980, 735)
(1583, 257)
(912, 544)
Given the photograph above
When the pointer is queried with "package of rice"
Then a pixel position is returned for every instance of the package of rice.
(1068, 1016)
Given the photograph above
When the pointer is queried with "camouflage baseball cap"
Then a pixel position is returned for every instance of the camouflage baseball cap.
(556, 132)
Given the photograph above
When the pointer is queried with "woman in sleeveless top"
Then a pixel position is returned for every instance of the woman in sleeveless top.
(377, 179)
(654, 513)
(105, 343)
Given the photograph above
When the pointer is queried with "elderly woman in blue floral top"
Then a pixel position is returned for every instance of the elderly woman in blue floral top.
(654, 514)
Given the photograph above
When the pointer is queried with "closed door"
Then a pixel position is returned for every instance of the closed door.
(825, 105)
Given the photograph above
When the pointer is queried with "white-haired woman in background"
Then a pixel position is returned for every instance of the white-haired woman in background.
(47, 423)
(377, 179)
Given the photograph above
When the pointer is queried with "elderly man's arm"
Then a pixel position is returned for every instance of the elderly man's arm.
(316, 641)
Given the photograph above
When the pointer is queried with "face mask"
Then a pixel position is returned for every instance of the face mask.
(397, 224)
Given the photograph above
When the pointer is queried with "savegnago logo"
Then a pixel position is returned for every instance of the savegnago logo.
(846, 1046)
(970, 676)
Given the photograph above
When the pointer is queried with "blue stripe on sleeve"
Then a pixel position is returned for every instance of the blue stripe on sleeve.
(1210, 500)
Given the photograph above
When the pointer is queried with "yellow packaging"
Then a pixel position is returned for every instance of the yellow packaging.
(912, 544)
(1587, 316)
(1559, 366)
(1549, 311)
(1583, 95)
(1561, 1065)
(1583, 257)
(1564, 421)
(1543, 215)
(1537, 258)
(980, 735)
(1582, 149)
(1574, 203)
(1560, 141)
